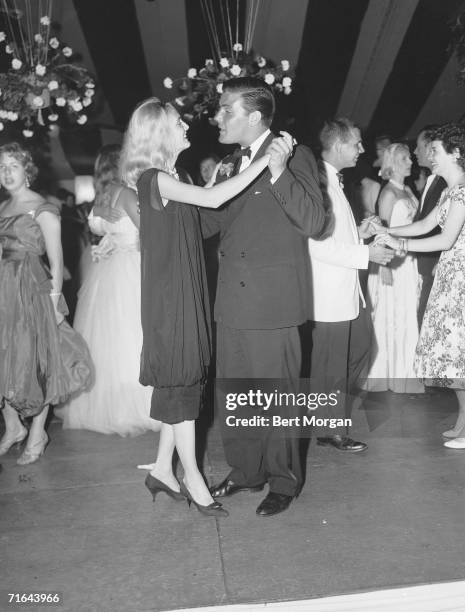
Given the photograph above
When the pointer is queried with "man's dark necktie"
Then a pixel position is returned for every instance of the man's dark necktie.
(340, 179)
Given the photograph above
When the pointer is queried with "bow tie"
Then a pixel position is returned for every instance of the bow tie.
(340, 178)
(243, 152)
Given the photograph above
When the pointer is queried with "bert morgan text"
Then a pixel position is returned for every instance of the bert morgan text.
(278, 421)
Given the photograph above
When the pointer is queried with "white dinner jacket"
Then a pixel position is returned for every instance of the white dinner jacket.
(336, 260)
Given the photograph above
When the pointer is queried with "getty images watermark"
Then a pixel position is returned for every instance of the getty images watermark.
(254, 407)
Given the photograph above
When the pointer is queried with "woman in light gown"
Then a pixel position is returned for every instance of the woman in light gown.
(108, 315)
(440, 354)
(393, 290)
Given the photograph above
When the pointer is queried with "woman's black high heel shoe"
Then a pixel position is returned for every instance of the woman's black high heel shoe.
(155, 486)
(213, 509)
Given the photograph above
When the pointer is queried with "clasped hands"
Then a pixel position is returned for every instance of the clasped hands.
(279, 150)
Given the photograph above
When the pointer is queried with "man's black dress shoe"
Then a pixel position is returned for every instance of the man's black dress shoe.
(228, 487)
(343, 443)
(274, 503)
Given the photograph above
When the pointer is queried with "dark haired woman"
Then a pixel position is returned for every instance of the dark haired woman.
(440, 353)
(42, 360)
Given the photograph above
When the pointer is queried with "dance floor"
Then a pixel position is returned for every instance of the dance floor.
(80, 522)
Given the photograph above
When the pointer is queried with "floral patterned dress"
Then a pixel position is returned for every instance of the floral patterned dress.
(440, 354)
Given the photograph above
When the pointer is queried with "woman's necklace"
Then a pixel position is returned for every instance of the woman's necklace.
(400, 186)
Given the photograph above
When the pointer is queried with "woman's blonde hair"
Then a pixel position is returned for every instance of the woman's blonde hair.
(389, 161)
(149, 140)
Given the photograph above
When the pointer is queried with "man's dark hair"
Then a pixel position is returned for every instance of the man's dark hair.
(427, 130)
(336, 129)
(255, 94)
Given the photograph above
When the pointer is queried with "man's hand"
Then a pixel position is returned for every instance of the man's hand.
(380, 254)
(112, 215)
(279, 151)
(371, 226)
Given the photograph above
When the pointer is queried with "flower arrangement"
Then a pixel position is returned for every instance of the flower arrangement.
(200, 89)
(43, 84)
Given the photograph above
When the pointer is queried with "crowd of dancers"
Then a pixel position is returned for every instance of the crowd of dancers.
(289, 256)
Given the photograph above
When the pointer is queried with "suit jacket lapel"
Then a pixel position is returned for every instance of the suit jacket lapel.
(236, 205)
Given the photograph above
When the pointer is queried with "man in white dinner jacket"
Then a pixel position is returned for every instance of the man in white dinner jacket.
(341, 324)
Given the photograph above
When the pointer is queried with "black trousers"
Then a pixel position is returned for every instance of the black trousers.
(265, 454)
(339, 359)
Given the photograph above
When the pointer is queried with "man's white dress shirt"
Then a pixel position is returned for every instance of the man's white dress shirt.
(336, 260)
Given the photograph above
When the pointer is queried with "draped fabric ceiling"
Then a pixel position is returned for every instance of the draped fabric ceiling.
(386, 64)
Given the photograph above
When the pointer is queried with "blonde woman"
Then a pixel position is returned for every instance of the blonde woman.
(393, 290)
(175, 310)
(439, 358)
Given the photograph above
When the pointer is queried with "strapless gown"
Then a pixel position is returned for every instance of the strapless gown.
(41, 363)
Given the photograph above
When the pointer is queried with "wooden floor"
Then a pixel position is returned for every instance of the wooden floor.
(80, 521)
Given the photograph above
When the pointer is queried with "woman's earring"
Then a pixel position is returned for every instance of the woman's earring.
(28, 184)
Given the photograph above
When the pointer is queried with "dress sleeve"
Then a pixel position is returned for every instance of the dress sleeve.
(457, 194)
(47, 207)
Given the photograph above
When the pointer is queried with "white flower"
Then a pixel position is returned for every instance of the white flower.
(89, 93)
(60, 101)
(287, 82)
(82, 119)
(86, 101)
(54, 43)
(12, 116)
(2, 36)
(285, 65)
(90, 85)
(52, 85)
(38, 38)
(209, 62)
(28, 133)
(9, 49)
(38, 101)
(53, 117)
(40, 69)
(67, 51)
(261, 61)
(168, 83)
(1, 126)
(192, 73)
(16, 63)
(224, 62)
(235, 70)
(269, 78)
(45, 21)
(237, 47)
(76, 105)
(219, 88)
(287, 91)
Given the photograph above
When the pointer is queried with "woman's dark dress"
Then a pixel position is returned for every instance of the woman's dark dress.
(40, 363)
(175, 309)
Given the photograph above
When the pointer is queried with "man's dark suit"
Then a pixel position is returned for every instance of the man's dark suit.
(263, 294)
(427, 261)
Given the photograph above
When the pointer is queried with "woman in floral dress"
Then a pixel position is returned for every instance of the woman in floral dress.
(440, 353)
